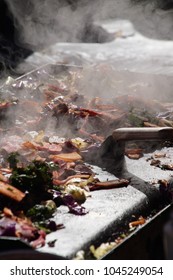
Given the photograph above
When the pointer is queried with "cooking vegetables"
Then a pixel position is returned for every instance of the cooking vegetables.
(70, 157)
(45, 133)
(21, 227)
(35, 178)
(109, 184)
(11, 192)
(41, 212)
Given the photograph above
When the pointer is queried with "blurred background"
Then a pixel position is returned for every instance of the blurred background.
(133, 35)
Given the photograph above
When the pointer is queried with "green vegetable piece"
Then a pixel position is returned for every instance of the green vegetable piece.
(36, 178)
(42, 212)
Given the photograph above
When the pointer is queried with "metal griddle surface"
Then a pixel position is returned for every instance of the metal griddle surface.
(146, 172)
(108, 209)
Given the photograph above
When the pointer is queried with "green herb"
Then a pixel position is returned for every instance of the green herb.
(36, 178)
(42, 212)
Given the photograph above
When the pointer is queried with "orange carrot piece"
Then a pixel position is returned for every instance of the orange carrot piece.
(70, 157)
(11, 192)
(117, 183)
(141, 221)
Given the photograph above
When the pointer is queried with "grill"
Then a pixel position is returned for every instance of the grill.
(111, 210)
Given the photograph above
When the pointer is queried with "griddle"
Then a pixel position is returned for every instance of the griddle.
(109, 210)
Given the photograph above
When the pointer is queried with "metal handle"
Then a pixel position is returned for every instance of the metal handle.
(114, 145)
(144, 133)
(111, 153)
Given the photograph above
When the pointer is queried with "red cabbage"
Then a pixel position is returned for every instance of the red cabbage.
(69, 201)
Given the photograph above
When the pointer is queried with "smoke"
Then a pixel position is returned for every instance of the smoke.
(44, 22)
(151, 18)
(41, 23)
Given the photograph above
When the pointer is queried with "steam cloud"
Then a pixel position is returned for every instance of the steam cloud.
(44, 22)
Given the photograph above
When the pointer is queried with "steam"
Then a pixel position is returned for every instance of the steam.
(44, 22)
(41, 23)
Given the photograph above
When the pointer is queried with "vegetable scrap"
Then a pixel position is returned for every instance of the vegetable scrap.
(21, 227)
(35, 189)
(138, 222)
(109, 184)
(52, 243)
(167, 166)
(134, 153)
(101, 251)
(80, 255)
(156, 161)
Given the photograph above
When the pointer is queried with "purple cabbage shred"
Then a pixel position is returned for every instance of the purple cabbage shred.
(69, 201)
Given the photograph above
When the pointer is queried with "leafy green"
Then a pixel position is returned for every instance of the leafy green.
(36, 176)
(41, 212)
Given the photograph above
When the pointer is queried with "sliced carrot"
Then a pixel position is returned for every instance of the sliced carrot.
(70, 157)
(117, 183)
(141, 221)
(11, 192)
(29, 145)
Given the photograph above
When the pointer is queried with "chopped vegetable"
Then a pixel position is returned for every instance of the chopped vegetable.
(36, 178)
(140, 221)
(80, 255)
(41, 212)
(109, 184)
(69, 201)
(11, 192)
(23, 228)
(168, 166)
(101, 251)
(70, 157)
(134, 153)
(77, 193)
(45, 172)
